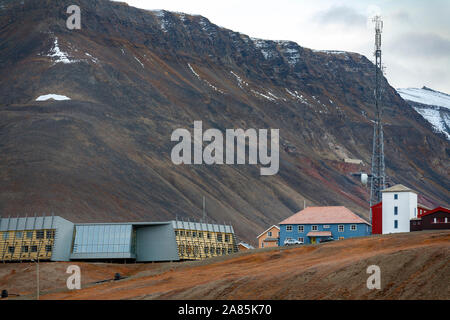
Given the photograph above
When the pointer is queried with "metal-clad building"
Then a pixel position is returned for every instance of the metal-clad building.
(57, 239)
(140, 241)
(33, 238)
(198, 241)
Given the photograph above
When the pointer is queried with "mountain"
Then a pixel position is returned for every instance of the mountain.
(433, 105)
(86, 118)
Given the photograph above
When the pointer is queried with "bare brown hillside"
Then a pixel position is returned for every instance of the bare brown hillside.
(134, 76)
(413, 266)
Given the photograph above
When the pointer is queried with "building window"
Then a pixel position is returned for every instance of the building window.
(217, 251)
(353, 227)
(48, 248)
(200, 235)
(341, 228)
(208, 235)
(289, 228)
(50, 234)
(301, 229)
(227, 238)
(314, 228)
(40, 234)
(395, 224)
(395, 196)
(224, 251)
(327, 226)
(5, 236)
(206, 250)
(176, 233)
(29, 234)
(219, 237)
(269, 233)
(24, 248)
(194, 234)
(301, 239)
(19, 234)
(396, 210)
(11, 249)
(104, 238)
(33, 248)
(230, 251)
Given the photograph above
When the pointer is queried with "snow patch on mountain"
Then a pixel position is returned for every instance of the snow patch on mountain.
(204, 80)
(163, 22)
(265, 48)
(425, 96)
(58, 55)
(93, 59)
(142, 65)
(52, 96)
(239, 80)
(433, 106)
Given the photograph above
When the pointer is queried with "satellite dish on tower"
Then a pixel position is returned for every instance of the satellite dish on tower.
(364, 178)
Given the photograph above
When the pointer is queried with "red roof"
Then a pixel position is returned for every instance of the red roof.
(438, 209)
(324, 215)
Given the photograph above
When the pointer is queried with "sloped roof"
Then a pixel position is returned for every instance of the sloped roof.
(438, 209)
(246, 245)
(398, 188)
(324, 215)
(267, 230)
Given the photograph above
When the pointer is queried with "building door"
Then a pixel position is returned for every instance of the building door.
(313, 239)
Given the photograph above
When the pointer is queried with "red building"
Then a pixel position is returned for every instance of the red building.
(377, 217)
(436, 219)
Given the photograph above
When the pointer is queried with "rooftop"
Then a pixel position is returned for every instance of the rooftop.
(398, 188)
(324, 215)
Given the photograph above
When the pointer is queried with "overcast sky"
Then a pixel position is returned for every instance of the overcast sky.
(415, 40)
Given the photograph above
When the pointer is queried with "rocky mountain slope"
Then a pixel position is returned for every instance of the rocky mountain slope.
(130, 77)
(433, 105)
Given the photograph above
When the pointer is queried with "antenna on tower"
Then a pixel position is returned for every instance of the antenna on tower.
(378, 176)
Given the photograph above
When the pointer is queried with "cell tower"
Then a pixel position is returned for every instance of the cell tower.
(378, 177)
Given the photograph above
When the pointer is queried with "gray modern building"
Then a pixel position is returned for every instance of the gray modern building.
(35, 238)
(57, 239)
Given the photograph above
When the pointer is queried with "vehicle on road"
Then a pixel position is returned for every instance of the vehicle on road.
(291, 242)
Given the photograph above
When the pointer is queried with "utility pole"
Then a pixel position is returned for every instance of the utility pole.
(37, 276)
(378, 176)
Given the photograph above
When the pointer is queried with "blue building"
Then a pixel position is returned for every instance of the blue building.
(315, 224)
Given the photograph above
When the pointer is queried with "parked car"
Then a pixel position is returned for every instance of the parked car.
(291, 242)
(326, 240)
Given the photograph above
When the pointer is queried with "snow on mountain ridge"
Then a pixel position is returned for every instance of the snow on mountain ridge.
(433, 106)
(425, 96)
